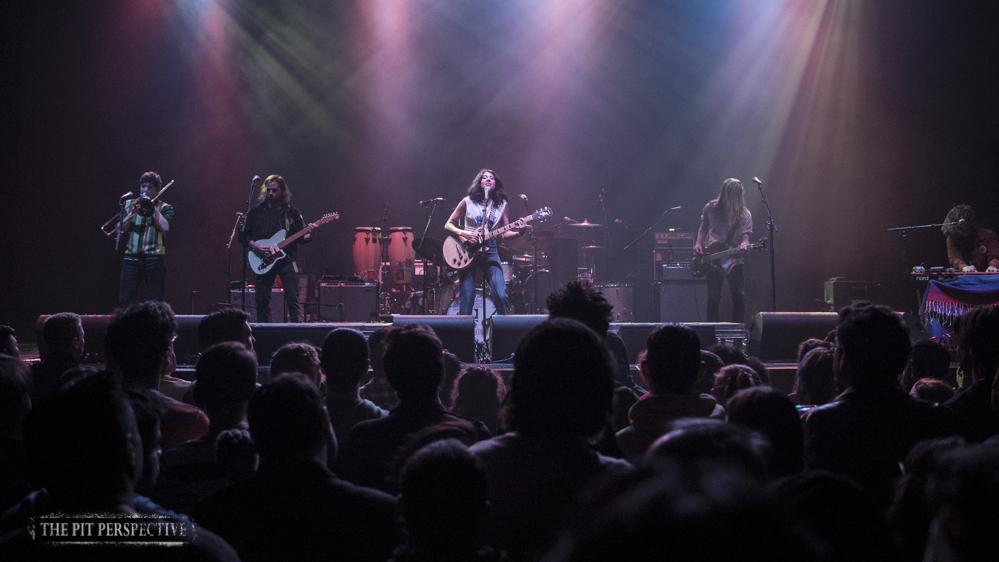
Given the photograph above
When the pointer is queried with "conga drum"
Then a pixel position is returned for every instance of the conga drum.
(367, 252)
(402, 255)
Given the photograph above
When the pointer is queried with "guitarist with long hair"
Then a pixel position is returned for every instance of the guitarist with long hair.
(482, 210)
(274, 213)
(726, 223)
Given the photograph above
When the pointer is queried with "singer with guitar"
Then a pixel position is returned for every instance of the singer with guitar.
(263, 221)
(144, 224)
(726, 223)
(482, 210)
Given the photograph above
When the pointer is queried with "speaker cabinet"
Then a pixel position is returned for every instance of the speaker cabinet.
(507, 331)
(774, 336)
(277, 307)
(343, 302)
(457, 333)
(683, 301)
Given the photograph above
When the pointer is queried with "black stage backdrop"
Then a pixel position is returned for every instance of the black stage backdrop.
(858, 116)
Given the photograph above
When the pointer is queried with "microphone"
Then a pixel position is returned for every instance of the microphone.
(677, 208)
(385, 213)
(526, 204)
(434, 200)
(757, 181)
(567, 219)
(962, 221)
(254, 180)
(124, 197)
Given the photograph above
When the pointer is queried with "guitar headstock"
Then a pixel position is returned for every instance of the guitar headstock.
(761, 243)
(328, 217)
(542, 214)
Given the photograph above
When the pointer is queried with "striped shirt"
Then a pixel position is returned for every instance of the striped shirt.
(142, 236)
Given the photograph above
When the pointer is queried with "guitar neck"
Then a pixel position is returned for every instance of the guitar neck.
(292, 238)
(494, 233)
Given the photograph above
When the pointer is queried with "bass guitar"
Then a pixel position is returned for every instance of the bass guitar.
(701, 263)
(459, 254)
(261, 265)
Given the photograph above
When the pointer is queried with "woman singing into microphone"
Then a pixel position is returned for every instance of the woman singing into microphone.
(483, 209)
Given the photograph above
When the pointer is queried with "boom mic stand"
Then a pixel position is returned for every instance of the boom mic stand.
(772, 226)
(242, 230)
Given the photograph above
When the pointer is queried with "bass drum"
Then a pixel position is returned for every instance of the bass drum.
(452, 308)
(546, 286)
(622, 298)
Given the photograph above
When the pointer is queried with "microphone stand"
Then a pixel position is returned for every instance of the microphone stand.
(228, 247)
(607, 240)
(242, 230)
(772, 226)
(426, 278)
(651, 226)
(534, 262)
(904, 229)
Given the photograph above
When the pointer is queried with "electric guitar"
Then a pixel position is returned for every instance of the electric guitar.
(261, 265)
(701, 263)
(459, 254)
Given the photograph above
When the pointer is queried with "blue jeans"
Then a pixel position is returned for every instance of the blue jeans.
(135, 269)
(736, 285)
(289, 280)
(489, 262)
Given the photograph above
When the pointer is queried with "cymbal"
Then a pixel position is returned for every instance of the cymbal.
(585, 224)
(431, 249)
(593, 247)
(526, 258)
(523, 244)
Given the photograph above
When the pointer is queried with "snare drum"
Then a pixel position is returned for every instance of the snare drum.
(622, 298)
(367, 252)
(402, 255)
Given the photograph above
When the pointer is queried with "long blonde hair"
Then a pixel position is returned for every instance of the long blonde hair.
(731, 202)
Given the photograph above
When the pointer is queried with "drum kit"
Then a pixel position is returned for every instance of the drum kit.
(415, 280)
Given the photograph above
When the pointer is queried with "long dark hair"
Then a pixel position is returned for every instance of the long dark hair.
(966, 230)
(477, 194)
(285, 192)
(731, 202)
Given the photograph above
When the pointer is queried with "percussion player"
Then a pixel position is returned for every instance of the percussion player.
(145, 242)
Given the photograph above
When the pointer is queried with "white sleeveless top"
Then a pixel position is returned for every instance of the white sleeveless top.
(476, 214)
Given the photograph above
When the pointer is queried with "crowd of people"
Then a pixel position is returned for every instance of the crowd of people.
(384, 448)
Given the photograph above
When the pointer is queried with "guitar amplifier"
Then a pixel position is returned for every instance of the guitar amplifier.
(672, 255)
(348, 302)
(277, 303)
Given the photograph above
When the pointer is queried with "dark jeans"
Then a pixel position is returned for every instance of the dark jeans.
(489, 261)
(736, 284)
(289, 279)
(140, 268)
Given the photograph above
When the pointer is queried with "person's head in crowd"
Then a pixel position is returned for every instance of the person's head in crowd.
(732, 379)
(837, 512)
(910, 513)
(814, 382)
(414, 362)
(964, 492)
(230, 324)
(147, 408)
(810, 344)
(584, 304)
(459, 430)
(965, 225)
(672, 362)
(297, 357)
(63, 333)
(443, 498)
(376, 349)
(728, 354)
(562, 382)
(624, 399)
(227, 377)
(696, 441)
(139, 343)
(712, 364)
(703, 513)
(934, 390)
(929, 360)
(288, 419)
(770, 412)
(452, 368)
(872, 347)
(8, 342)
(977, 336)
(477, 394)
(755, 364)
(84, 446)
(344, 360)
(15, 397)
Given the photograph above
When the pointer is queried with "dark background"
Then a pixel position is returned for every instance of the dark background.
(858, 116)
